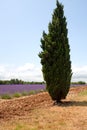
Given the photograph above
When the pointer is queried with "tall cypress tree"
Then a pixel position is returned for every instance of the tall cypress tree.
(55, 56)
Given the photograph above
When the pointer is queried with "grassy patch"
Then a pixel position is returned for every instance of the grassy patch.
(25, 127)
(19, 127)
(83, 93)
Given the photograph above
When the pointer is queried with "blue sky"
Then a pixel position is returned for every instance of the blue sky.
(21, 25)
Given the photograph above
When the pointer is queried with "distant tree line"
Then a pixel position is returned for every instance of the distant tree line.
(79, 82)
(17, 81)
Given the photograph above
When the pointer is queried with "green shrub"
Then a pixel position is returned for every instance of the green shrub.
(31, 92)
(6, 96)
(24, 93)
(17, 95)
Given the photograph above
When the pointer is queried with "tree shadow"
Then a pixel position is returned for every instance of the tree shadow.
(71, 103)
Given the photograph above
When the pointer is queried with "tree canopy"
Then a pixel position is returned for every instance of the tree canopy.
(55, 55)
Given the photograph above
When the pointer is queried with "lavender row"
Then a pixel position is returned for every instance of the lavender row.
(11, 89)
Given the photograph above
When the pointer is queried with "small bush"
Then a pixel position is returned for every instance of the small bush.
(6, 96)
(31, 92)
(17, 95)
(24, 94)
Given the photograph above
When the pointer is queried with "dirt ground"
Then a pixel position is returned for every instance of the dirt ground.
(38, 112)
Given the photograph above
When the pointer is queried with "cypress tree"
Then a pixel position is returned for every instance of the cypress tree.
(55, 56)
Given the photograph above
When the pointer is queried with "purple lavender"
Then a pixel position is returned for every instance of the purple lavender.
(11, 89)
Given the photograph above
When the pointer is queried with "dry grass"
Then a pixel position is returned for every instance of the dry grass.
(71, 115)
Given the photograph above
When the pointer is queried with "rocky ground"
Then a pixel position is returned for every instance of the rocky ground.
(21, 108)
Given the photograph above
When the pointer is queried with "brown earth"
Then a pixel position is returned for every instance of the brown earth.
(21, 106)
(30, 111)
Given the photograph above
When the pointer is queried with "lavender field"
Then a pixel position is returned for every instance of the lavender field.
(20, 88)
(11, 89)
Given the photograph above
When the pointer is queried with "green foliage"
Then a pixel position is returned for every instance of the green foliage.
(6, 96)
(17, 95)
(17, 81)
(32, 92)
(79, 82)
(24, 93)
(55, 55)
(19, 127)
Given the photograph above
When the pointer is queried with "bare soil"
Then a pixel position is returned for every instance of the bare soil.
(38, 112)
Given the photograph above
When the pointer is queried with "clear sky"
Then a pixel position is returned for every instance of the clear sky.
(21, 25)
